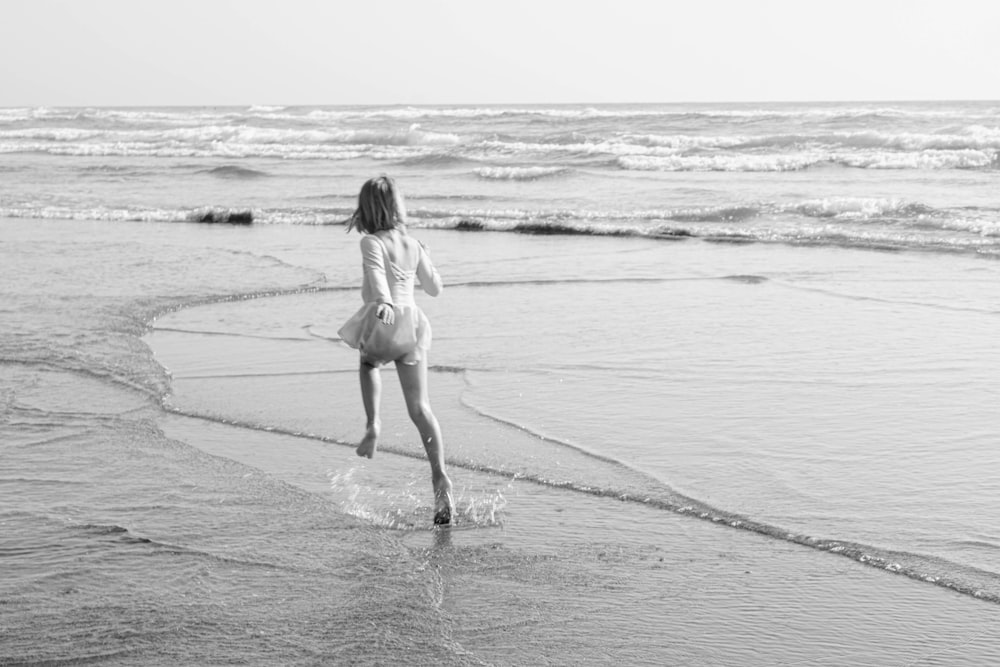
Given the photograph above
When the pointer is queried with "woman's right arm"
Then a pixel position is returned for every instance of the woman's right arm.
(373, 261)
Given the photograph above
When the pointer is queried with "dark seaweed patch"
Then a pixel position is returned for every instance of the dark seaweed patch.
(223, 216)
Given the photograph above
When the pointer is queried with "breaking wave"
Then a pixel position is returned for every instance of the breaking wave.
(925, 159)
(518, 173)
(658, 138)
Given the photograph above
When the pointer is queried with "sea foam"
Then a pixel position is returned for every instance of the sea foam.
(518, 173)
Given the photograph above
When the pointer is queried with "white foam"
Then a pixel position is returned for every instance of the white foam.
(14, 114)
(857, 208)
(926, 159)
(976, 137)
(605, 147)
(51, 134)
(518, 173)
(216, 149)
(96, 213)
(200, 135)
(791, 162)
(986, 228)
(685, 142)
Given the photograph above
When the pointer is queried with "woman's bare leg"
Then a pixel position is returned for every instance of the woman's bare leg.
(371, 396)
(413, 380)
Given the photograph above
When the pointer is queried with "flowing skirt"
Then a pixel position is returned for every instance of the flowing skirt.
(406, 340)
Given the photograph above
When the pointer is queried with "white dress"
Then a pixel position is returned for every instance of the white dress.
(390, 278)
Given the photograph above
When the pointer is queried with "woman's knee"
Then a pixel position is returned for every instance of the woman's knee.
(420, 411)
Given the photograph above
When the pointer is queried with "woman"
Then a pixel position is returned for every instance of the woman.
(390, 326)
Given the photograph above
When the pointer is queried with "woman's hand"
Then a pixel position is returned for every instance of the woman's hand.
(385, 313)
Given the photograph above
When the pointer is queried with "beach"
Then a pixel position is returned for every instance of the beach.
(704, 401)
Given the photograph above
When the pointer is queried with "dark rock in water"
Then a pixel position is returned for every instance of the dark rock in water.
(224, 217)
(469, 226)
(549, 228)
(673, 233)
(732, 240)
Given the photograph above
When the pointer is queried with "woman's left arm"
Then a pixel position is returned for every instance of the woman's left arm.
(430, 280)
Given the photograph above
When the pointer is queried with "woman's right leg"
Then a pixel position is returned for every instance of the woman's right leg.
(371, 396)
(413, 380)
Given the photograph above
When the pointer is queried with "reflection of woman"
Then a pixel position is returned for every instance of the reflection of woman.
(392, 260)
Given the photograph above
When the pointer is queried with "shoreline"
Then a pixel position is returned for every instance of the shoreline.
(247, 522)
(826, 600)
(657, 578)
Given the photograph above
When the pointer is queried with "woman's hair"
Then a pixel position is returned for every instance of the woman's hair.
(380, 206)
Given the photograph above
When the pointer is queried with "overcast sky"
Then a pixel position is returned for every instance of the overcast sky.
(220, 52)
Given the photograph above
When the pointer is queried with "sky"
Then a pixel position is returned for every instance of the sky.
(236, 52)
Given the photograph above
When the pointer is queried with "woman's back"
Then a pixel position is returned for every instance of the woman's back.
(407, 259)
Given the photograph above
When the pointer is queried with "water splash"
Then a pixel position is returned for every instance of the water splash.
(406, 507)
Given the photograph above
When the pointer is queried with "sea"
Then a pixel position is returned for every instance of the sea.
(718, 385)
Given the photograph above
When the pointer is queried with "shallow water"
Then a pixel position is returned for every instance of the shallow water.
(666, 449)
(862, 453)
(208, 532)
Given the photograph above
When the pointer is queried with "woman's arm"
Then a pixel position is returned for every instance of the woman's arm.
(373, 261)
(430, 281)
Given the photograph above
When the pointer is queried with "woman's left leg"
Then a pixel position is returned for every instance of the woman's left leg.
(413, 380)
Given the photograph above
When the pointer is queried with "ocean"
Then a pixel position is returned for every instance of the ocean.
(718, 385)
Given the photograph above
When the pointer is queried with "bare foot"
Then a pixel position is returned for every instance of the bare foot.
(444, 504)
(370, 442)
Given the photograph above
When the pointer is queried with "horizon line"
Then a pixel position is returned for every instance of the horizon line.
(500, 104)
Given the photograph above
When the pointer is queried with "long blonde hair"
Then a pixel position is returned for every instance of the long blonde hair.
(380, 206)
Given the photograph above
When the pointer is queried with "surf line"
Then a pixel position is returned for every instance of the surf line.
(893, 562)
(890, 561)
